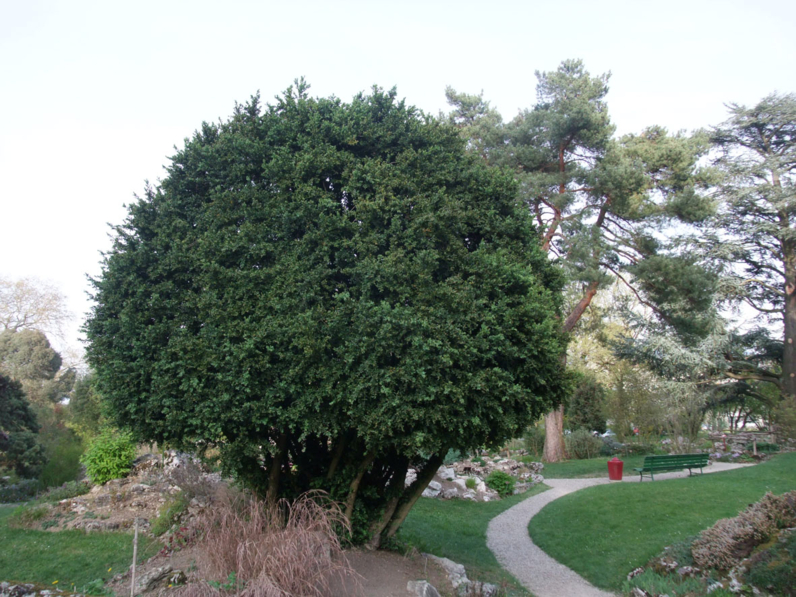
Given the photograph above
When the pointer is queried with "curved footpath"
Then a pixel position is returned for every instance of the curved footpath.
(507, 537)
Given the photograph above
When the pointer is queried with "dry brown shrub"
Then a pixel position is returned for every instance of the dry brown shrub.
(730, 540)
(280, 550)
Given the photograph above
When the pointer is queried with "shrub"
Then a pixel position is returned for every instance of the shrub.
(169, 514)
(20, 491)
(471, 483)
(68, 490)
(280, 549)
(109, 456)
(453, 456)
(639, 449)
(501, 482)
(587, 403)
(611, 447)
(582, 444)
(534, 441)
(774, 569)
(763, 447)
(63, 450)
(730, 540)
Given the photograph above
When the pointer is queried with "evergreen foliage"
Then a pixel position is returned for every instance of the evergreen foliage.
(336, 286)
(586, 406)
(19, 448)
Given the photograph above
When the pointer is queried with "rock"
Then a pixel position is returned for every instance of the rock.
(470, 495)
(432, 490)
(473, 588)
(635, 572)
(449, 493)
(456, 572)
(636, 592)
(139, 488)
(421, 588)
(687, 571)
(446, 473)
(148, 581)
(462, 483)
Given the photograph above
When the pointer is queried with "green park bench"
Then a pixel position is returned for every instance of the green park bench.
(672, 462)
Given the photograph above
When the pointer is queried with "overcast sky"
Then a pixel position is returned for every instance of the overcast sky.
(94, 95)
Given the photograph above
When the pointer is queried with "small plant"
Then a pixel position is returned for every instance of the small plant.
(90, 515)
(479, 461)
(96, 587)
(169, 514)
(230, 585)
(501, 482)
(471, 483)
(764, 447)
(25, 516)
(109, 456)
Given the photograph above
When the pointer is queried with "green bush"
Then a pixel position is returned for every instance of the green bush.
(534, 441)
(582, 444)
(470, 483)
(501, 482)
(109, 456)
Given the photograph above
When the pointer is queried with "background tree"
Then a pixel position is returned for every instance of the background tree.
(600, 203)
(757, 155)
(27, 357)
(331, 293)
(19, 448)
(30, 304)
(586, 406)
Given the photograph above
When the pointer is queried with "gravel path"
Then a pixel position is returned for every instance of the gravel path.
(507, 537)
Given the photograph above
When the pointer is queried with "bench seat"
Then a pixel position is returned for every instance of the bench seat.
(672, 462)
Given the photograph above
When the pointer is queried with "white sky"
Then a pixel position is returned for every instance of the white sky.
(94, 95)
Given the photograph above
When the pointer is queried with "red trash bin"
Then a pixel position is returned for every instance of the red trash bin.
(615, 469)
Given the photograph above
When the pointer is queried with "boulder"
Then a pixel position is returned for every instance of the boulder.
(421, 588)
(149, 580)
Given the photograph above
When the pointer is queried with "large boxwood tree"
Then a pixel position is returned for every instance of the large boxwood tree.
(329, 293)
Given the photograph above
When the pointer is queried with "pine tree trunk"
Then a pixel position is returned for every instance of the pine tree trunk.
(789, 352)
(554, 450)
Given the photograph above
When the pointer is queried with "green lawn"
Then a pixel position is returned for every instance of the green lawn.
(456, 529)
(70, 557)
(604, 532)
(593, 467)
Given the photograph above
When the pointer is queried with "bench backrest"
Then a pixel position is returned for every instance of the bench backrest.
(676, 460)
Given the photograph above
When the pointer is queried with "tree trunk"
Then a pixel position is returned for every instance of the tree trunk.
(397, 485)
(412, 494)
(276, 468)
(554, 450)
(789, 352)
(354, 487)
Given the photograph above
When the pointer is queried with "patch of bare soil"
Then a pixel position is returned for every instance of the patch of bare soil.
(386, 574)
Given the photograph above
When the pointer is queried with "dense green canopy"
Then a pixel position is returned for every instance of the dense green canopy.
(330, 293)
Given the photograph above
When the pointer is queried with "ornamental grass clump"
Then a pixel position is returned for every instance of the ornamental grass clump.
(730, 540)
(271, 550)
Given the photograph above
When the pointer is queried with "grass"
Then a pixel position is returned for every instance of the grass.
(592, 467)
(604, 532)
(456, 529)
(69, 557)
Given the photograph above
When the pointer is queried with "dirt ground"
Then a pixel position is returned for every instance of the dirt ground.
(379, 573)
